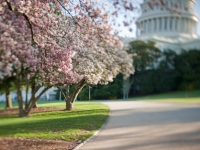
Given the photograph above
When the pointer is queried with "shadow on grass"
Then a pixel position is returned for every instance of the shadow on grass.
(58, 121)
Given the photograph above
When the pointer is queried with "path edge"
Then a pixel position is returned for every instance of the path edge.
(92, 136)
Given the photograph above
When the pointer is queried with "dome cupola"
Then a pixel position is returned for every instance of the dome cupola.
(168, 18)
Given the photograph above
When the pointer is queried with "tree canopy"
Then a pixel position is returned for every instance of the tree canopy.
(59, 43)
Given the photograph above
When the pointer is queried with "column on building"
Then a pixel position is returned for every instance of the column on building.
(173, 23)
(160, 24)
(153, 25)
(179, 27)
(140, 27)
(182, 25)
(168, 23)
(149, 27)
(163, 23)
(185, 25)
(143, 27)
(189, 26)
(146, 25)
(157, 24)
(176, 20)
(193, 27)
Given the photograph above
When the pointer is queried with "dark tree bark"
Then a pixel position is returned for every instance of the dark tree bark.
(19, 96)
(70, 98)
(8, 99)
(34, 99)
(33, 88)
(35, 105)
(27, 89)
(70, 101)
(24, 112)
(69, 105)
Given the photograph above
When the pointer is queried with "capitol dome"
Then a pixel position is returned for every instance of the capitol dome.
(172, 24)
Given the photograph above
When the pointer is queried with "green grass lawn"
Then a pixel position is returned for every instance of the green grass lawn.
(40, 104)
(2, 105)
(188, 97)
(82, 122)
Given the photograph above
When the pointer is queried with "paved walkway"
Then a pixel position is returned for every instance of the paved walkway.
(148, 126)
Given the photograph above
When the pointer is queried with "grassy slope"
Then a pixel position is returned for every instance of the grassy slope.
(66, 125)
(189, 97)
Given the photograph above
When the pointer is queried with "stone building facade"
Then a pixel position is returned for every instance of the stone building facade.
(172, 24)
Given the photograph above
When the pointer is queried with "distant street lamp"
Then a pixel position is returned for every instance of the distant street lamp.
(60, 96)
(89, 91)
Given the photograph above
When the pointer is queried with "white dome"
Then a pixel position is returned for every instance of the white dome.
(169, 22)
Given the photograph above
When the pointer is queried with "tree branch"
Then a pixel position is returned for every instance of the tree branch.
(68, 13)
(31, 28)
(25, 16)
(62, 92)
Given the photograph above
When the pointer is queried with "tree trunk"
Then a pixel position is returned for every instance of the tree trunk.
(27, 88)
(34, 99)
(35, 105)
(70, 100)
(33, 96)
(69, 105)
(8, 99)
(19, 96)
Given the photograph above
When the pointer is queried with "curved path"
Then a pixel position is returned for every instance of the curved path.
(135, 125)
